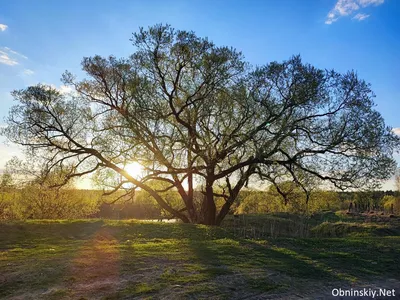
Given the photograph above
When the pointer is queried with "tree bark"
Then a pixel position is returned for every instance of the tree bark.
(209, 205)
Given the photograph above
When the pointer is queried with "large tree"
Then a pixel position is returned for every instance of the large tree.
(198, 117)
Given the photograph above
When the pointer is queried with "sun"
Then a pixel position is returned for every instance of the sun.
(134, 169)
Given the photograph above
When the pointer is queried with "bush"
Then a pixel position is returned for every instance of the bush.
(32, 202)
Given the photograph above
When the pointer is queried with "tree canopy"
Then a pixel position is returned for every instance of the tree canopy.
(197, 116)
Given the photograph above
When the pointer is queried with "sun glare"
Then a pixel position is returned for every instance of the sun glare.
(134, 169)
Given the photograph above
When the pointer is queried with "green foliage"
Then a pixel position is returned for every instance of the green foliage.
(28, 192)
(260, 202)
(7, 194)
(257, 202)
(391, 202)
(324, 200)
(56, 204)
(34, 203)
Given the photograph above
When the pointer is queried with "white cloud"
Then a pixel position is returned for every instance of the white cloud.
(360, 17)
(396, 130)
(3, 27)
(347, 7)
(10, 57)
(28, 72)
(7, 60)
(63, 89)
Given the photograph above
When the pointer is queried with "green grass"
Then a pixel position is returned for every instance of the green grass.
(126, 259)
(320, 225)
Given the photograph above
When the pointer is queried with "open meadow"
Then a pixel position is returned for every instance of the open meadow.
(110, 259)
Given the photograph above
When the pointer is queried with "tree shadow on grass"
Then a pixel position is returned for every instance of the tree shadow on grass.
(350, 258)
(288, 262)
(33, 233)
(247, 268)
(233, 264)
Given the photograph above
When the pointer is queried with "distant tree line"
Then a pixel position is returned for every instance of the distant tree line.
(28, 191)
(35, 201)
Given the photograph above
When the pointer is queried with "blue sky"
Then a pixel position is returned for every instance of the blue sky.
(39, 40)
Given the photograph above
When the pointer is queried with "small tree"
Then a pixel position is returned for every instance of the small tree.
(192, 113)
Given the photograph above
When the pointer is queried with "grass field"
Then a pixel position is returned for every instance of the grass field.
(103, 259)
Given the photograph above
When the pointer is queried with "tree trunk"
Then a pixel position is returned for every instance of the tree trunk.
(189, 202)
(209, 205)
(223, 212)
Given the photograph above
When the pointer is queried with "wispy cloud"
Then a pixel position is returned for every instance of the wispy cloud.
(10, 57)
(5, 59)
(396, 130)
(28, 72)
(15, 52)
(3, 27)
(360, 17)
(365, 3)
(348, 7)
